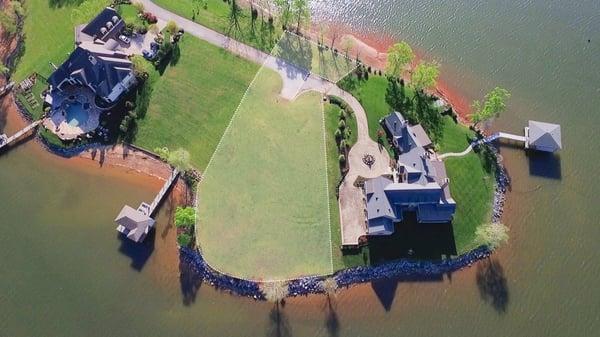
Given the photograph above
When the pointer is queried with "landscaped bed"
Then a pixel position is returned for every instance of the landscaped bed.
(263, 202)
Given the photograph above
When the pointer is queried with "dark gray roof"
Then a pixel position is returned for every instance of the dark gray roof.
(544, 136)
(419, 135)
(377, 202)
(94, 66)
(105, 25)
(394, 122)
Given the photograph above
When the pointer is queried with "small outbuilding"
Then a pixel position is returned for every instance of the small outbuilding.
(543, 136)
(133, 223)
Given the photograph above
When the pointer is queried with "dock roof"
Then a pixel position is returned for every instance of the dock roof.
(544, 136)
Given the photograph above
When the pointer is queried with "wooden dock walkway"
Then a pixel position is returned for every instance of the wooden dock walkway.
(5, 141)
(163, 191)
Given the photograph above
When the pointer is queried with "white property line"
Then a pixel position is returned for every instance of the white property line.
(327, 187)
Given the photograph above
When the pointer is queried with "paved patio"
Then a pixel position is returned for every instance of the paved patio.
(63, 125)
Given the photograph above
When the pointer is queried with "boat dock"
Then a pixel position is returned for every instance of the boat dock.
(136, 223)
(5, 141)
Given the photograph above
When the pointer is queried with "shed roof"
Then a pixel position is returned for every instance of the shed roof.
(544, 136)
(133, 223)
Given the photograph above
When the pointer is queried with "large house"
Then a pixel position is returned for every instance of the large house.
(96, 62)
(419, 183)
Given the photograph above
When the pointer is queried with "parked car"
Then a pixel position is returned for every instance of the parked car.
(124, 39)
(149, 55)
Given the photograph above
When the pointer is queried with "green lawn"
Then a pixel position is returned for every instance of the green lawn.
(263, 201)
(194, 100)
(216, 17)
(471, 185)
(130, 15)
(49, 35)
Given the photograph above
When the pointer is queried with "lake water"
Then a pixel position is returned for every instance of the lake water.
(65, 272)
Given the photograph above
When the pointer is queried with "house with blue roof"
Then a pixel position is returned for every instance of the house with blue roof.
(419, 183)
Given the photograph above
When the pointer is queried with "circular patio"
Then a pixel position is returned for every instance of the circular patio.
(73, 113)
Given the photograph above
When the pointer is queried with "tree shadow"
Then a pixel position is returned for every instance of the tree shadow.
(189, 281)
(138, 252)
(64, 3)
(492, 284)
(279, 323)
(544, 164)
(332, 322)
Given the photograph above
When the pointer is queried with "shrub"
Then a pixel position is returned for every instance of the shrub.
(149, 17)
(342, 125)
(162, 152)
(491, 235)
(139, 7)
(180, 159)
(274, 291)
(172, 27)
(329, 286)
(184, 239)
(185, 217)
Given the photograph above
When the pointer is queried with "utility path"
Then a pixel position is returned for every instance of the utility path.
(295, 81)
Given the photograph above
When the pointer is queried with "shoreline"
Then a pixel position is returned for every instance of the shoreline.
(143, 162)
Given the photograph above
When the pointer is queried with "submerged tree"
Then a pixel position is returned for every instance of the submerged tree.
(493, 106)
(398, 57)
(491, 235)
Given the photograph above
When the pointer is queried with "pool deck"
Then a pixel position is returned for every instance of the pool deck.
(58, 121)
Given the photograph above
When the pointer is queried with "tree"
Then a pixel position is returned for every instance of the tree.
(275, 291)
(4, 70)
(398, 57)
(285, 14)
(425, 76)
(329, 286)
(141, 67)
(301, 13)
(163, 153)
(17, 8)
(347, 44)
(495, 103)
(153, 28)
(139, 7)
(172, 27)
(8, 21)
(491, 235)
(342, 159)
(185, 217)
(341, 125)
(184, 239)
(180, 159)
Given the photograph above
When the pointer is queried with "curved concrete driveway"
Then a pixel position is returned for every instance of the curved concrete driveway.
(295, 81)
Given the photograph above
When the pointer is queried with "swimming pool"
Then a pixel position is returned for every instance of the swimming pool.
(76, 114)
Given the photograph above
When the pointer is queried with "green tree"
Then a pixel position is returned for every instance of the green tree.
(17, 8)
(139, 7)
(342, 159)
(172, 27)
(163, 153)
(185, 217)
(184, 239)
(398, 57)
(425, 76)
(493, 106)
(180, 159)
(4, 70)
(8, 22)
(491, 235)
(301, 13)
(284, 9)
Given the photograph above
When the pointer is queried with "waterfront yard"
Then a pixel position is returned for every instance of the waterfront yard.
(263, 202)
(193, 101)
(471, 179)
(48, 33)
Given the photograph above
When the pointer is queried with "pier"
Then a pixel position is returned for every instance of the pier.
(5, 141)
(136, 223)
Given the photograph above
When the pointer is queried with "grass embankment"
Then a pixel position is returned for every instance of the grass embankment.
(471, 179)
(216, 17)
(193, 101)
(263, 200)
(49, 33)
